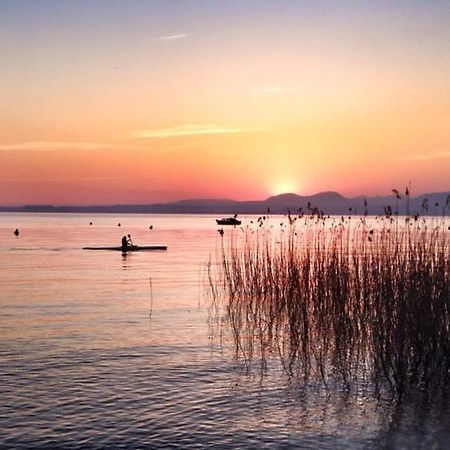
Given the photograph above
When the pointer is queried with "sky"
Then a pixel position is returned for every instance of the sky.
(133, 101)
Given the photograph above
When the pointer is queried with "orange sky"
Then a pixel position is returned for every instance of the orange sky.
(131, 102)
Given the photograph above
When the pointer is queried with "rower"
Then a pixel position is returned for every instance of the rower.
(124, 242)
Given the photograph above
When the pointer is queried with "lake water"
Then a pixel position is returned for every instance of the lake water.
(100, 349)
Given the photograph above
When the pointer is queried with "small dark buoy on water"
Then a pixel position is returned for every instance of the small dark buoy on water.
(150, 227)
(90, 223)
(16, 232)
(118, 224)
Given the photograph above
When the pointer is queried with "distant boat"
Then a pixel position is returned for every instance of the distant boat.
(228, 221)
(130, 248)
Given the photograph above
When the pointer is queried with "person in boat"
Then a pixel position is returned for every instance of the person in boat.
(126, 241)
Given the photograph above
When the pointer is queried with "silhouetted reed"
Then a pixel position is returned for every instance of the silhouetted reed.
(345, 301)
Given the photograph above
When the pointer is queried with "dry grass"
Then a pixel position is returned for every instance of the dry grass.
(347, 301)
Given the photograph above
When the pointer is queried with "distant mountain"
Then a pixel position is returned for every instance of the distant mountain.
(327, 202)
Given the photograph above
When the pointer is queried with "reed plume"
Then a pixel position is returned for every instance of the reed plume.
(342, 302)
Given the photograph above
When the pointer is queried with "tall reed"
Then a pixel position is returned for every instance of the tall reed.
(345, 300)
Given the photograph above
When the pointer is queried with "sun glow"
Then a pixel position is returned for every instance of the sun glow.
(284, 186)
(223, 114)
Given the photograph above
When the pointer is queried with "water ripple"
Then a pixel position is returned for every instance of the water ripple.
(83, 366)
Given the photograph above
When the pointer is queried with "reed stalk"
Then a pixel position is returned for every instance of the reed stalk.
(350, 301)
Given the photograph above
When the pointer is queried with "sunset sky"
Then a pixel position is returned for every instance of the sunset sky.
(108, 101)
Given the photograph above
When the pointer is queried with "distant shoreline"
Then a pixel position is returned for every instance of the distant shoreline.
(328, 203)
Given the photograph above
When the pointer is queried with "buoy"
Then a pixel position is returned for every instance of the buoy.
(16, 232)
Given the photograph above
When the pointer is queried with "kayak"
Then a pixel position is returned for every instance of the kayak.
(132, 248)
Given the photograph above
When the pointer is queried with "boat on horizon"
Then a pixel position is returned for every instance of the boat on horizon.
(228, 221)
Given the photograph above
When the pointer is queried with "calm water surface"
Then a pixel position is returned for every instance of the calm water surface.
(83, 363)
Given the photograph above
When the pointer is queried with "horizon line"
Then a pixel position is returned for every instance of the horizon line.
(114, 204)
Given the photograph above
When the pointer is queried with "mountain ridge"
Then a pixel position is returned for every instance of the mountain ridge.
(328, 202)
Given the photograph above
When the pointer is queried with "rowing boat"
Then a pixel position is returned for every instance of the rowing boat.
(131, 248)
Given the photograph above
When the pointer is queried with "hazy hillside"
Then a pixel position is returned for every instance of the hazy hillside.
(326, 202)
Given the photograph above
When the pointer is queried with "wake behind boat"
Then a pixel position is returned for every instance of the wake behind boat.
(130, 248)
